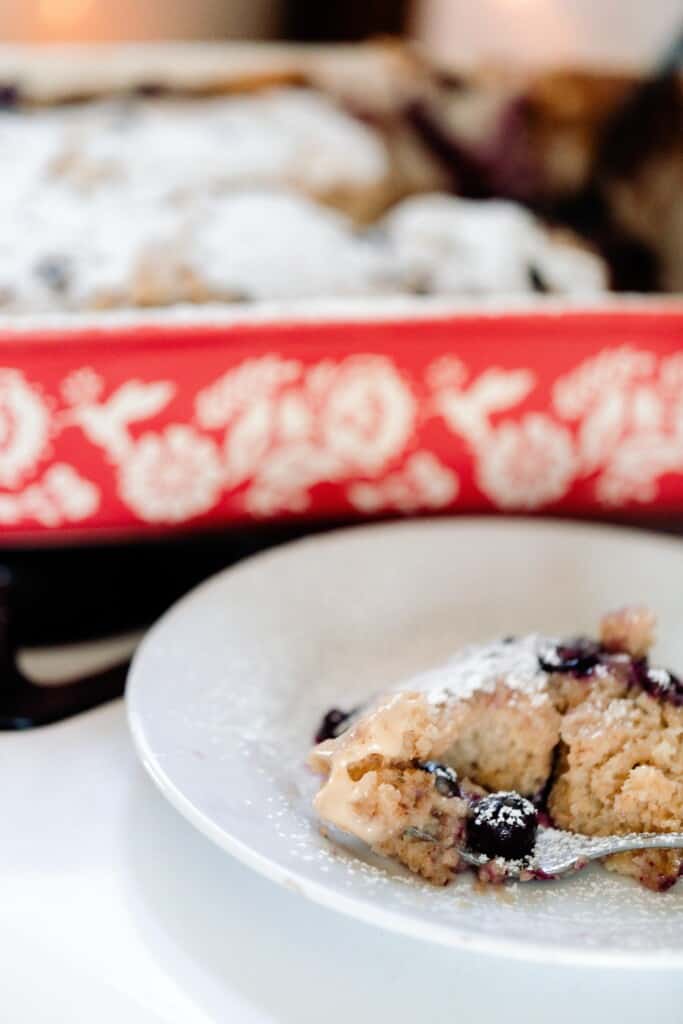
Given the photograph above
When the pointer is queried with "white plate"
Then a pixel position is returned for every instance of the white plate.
(226, 690)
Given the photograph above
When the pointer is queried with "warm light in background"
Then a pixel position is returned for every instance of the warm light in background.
(457, 31)
(547, 32)
(83, 21)
(63, 14)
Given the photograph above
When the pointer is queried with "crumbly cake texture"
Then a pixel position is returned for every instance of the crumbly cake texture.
(587, 729)
(375, 790)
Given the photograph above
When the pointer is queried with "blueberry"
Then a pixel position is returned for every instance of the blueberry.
(536, 279)
(579, 656)
(9, 95)
(451, 80)
(333, 724)
(503, 825)
(54, 272)
(658, 682)
(445, 779)
(150, 90)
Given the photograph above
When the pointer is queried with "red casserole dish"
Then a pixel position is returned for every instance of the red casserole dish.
(121, 425)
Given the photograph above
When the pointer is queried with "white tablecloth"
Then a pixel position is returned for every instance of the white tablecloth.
(113, 910)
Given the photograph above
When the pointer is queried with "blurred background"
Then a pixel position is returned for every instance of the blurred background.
(529, 31)
(458, 34)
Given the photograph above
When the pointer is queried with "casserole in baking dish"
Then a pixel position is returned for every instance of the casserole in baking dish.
(235, 284)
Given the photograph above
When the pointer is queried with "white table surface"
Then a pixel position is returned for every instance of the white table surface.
(114, 910)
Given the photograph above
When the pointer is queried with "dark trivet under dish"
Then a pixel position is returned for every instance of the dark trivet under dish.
(60, 595)
(67, 595)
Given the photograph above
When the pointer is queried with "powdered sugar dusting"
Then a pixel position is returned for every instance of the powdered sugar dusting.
(483, 667)
(138, 202)
(108, 193)
(262, 244)
(449, 244)
(508, 814)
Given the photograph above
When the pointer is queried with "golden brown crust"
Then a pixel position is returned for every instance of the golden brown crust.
(631, 630)
(68, 73)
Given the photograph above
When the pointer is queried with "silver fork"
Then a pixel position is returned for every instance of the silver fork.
(557, 852)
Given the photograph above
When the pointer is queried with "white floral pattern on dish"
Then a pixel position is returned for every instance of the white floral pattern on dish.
(424, 482)
(24, 427)
(264, 435)
(60, 496)
(171, 476)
